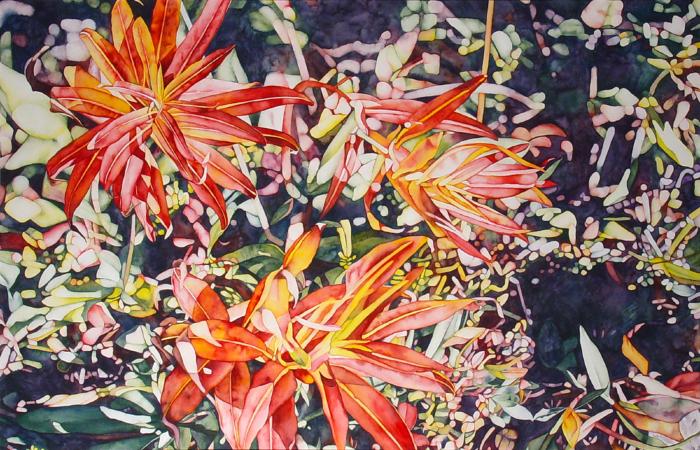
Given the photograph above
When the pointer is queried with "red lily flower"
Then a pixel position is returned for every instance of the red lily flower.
(153, 97)
(333, 338)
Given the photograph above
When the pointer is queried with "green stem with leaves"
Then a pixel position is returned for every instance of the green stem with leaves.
(486, 59)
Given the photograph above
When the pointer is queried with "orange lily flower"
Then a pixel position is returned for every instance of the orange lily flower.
(333, 337)
(412, 118)
(448, 191)
(149, 89)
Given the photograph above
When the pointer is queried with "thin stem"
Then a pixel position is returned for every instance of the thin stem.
(130, 252)
(487, 57)
(185, 16)
(296, 49)
(261, 211)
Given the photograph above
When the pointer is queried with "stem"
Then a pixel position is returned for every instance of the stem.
(130, 252)
(296, 49)
(487, 57)
(185, 16)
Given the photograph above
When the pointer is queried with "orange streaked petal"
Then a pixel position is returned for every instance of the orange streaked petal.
(181, 395)
(421, 154)
(152, 76)
(380, 263)
(95, 102)
(121, 18)
(301, 253)
(440, 108)
(79, 77)
(105, 56)
(235, 344)
(196, 297)
(164, 25)
(195, 72)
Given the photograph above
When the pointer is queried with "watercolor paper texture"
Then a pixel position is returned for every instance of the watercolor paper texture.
(349, 224)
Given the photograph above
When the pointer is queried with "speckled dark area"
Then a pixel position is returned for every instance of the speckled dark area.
(559, 303)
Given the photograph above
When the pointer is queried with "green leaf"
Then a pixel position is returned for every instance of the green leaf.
(590, 397)
(544, 442)
(259, 259)
(72, 419)
(127, 444)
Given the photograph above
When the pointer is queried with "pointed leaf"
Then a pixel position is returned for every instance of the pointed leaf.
(595, 364)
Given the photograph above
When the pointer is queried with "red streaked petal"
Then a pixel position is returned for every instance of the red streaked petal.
(281, 428)
(169, 138)
(181, 396)
(84, 172)
(164, 25)
(278, 138)
(235, 385)
(105, 56)
(333, 409)
(118, 128)
(195, 72)
(197, 41)
(68, 154)
(414, 316)
(415, 380)
(271, 387)
(158, 191)
(440, 108)
(221, 170)
(210, 195)
(373, 412)
(249, 101)
(216, 126)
